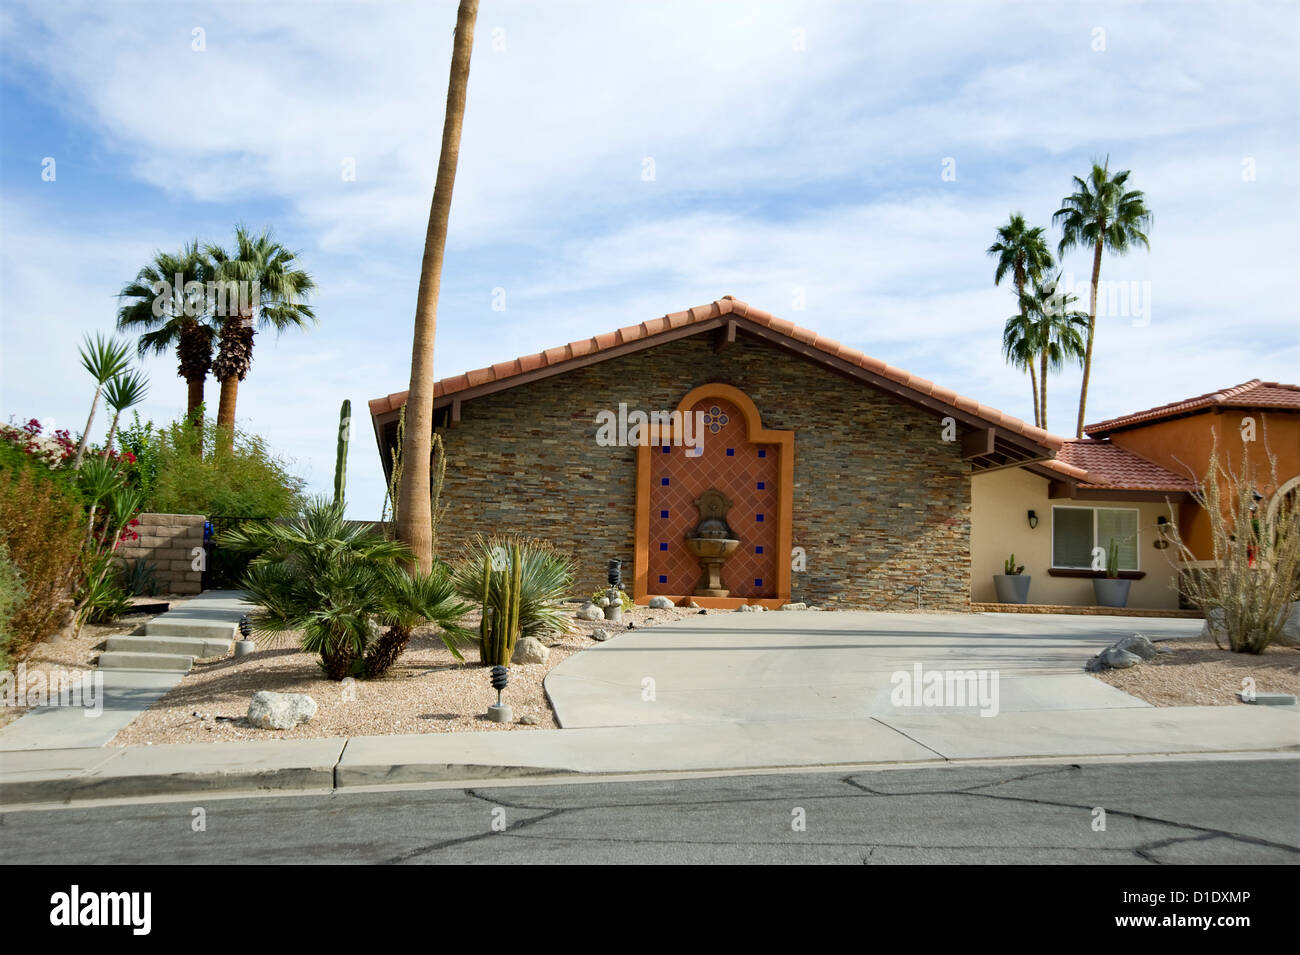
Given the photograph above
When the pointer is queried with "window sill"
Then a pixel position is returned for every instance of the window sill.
(1094, 574)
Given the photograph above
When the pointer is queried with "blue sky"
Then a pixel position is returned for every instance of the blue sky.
(797, 148)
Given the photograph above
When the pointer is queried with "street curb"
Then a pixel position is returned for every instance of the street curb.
(70, 789)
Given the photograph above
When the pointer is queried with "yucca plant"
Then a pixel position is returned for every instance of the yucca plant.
(495, 572)
(123, 391)
(105, 359)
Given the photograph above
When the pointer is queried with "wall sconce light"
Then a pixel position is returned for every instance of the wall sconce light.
(1162, 525)
(1033, 520)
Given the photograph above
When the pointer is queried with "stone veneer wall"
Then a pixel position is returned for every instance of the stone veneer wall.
(169, 541)
(880, 501)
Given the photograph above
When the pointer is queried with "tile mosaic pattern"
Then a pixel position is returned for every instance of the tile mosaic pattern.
(733, 465)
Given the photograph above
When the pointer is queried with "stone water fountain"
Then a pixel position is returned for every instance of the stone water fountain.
(712, 542)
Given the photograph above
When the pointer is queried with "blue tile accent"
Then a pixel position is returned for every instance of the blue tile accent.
(758, 549)
(731, 452)
(762, 485)
(758, 581)
(663, 513)
(759, 518)
(762, 453)
(663, 481)
(667, 449)
(663, 545)
(663, 579)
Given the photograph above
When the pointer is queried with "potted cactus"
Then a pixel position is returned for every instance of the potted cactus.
(1012, 584)
(1110, 590)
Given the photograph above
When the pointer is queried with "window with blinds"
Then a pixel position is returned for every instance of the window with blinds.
(1077, 530)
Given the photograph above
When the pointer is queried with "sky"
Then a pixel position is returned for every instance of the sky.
(842, 165)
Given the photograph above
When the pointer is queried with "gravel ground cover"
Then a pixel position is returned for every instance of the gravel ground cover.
(1199, 674)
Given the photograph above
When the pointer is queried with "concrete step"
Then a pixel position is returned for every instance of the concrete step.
(193, 627)
(186, 646)
(132, 660)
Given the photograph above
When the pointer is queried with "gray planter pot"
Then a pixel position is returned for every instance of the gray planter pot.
(1111, 591)
(1012, 588)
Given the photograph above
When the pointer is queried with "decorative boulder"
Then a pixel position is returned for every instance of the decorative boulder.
(589, 611)
(795, 606)
(280, 711)
(602, 602)
(1137, 645)
(1290, 635)
(746, 608)
(530, 650)
(660, 603)
(600, 635)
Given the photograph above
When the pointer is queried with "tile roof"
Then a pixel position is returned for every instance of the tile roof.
(1249, 394)
(727, 305)
(1102, 465)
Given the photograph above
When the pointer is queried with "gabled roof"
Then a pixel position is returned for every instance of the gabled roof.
(1100, 465)
(1249, 394)
(729, 313)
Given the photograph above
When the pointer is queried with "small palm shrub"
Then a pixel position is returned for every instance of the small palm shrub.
(339, 585)
(495, 571)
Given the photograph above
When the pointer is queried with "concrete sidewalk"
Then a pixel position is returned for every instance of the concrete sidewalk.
(910, 736)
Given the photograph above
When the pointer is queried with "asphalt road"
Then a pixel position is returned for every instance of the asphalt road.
(1232, 811)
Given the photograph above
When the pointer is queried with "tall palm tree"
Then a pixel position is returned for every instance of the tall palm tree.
(105, 359)
(1059, 332)
(1101, 213)
(276, 292)
(1022, 253)
(415, 510)
(1020, 348)
(178, 320)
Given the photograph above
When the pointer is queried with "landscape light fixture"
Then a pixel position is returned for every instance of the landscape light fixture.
(1033, 520)
(615, 573)
(499, 712)
(245, 645)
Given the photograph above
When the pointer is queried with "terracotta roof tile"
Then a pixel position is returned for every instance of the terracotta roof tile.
(1100, 464)
(724, 306)
(1248, 394)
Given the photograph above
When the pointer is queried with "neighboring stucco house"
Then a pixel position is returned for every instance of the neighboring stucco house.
(849, 481)
(1132, 479)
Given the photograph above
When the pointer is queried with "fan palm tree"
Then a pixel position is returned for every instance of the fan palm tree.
(1059, 332)
(1021, 349)
(105, 359)
(1023, 254)
(414, 508)
(1101, 213)
(124, 391)
(179, 320)
(272, 294)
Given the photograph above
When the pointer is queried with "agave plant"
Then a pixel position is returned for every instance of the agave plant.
(338, 584)
(543, 581)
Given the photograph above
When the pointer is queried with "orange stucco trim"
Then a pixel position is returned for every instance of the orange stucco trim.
(757, 434)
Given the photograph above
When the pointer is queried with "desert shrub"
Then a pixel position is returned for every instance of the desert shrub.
(101, 597)
(139, 577)
(339, 584)
(42, 526)
(1247, 594)
(544, 581)
(12, 593)
(246, 481)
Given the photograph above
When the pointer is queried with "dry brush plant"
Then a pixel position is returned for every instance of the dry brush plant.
(1246, 591)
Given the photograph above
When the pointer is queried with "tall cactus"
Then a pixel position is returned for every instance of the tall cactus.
(341, 454)
(499, 626)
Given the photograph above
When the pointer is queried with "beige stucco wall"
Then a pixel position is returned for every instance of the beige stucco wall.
(1000, 502)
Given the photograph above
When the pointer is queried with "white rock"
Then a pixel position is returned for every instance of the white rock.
(602, 602)
(589, 611)
(600, 635)
(795, 606)
(280, 711)
(530, 650)
(660, 603)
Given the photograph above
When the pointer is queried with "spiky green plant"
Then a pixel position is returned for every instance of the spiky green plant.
(125, 390)
(341, 451)
(105, 359)
(1010, 569)
(499, 572)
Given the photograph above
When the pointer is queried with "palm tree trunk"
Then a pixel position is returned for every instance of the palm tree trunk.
(226, 411)
(1042, 391)
(415, 510)
(194, 401)
(85, 435)
(1033, 382)
(1020, 299)
(1092, 327)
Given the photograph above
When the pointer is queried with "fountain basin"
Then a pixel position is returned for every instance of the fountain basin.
(712, 547)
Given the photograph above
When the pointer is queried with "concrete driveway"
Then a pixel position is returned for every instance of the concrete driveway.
(840, 665)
